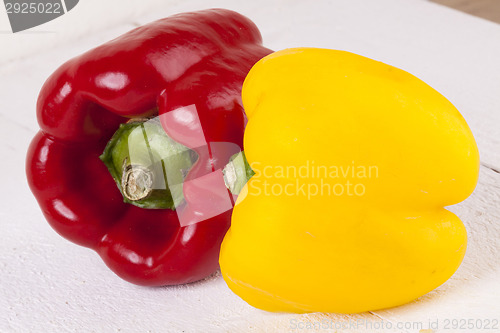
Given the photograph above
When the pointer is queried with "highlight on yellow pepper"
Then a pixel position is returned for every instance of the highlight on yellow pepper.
(354, 162)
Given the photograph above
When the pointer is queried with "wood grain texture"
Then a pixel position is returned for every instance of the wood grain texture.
(487, 9)
(50, 285)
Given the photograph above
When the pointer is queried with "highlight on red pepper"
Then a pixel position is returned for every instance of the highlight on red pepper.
(161, 107)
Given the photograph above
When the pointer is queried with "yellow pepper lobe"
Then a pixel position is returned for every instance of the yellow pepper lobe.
(355, 161)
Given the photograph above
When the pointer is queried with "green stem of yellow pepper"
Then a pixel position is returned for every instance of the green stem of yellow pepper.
(237, 172)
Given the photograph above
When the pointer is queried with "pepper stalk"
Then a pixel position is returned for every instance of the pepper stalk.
(237, 173)
(149, 167)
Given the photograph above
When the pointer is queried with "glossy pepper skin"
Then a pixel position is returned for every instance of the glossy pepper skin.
(199, 59)
(305, 252)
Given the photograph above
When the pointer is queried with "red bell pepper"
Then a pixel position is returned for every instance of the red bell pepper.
(190, 62)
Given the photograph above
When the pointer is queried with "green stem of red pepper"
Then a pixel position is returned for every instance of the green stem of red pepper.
(147, 165)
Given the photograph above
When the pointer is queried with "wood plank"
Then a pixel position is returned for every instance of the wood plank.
(487, 9)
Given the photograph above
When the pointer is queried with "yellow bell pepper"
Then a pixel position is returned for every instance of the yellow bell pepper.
(354, 163)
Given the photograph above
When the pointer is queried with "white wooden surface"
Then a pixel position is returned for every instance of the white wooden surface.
(48, 284)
